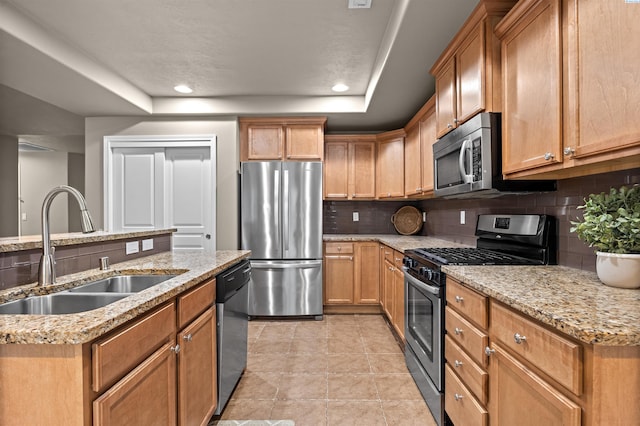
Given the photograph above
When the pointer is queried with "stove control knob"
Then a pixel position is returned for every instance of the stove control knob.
(423, 271)
(409, 263)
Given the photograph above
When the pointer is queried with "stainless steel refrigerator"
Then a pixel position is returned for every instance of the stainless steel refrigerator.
(281, 223)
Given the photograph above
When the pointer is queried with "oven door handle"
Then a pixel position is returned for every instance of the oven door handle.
(421, 285)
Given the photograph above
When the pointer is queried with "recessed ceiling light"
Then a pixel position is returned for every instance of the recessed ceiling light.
(340, 87)
(359, 4)
(183, 88)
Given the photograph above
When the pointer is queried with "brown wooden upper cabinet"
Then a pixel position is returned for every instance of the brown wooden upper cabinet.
(349, 167)
(418, 151)
(390, 164)
(467, 73)
(571, 111)
(286, 139)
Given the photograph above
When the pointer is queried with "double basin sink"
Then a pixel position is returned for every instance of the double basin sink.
(89, 296)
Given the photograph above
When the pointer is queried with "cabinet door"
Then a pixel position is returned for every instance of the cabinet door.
(304, 142)
(608, 91)
(197, 370)
(390, 168)
(412, 162)
(520, 397)
(336, 171)
(146, 396)
(446, 98)
(427, 139)
(338, 279)
(398, 301)
(532, 89)
(470, 69)
(265, 142)
(362, 169)
(367, 282)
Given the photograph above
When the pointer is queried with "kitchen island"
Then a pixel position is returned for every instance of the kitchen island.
(140, 356)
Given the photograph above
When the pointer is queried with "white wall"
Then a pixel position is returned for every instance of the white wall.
(226, 131)
(39, 173)
(8, 186)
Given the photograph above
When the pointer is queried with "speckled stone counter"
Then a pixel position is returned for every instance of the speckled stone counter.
(572, 301)
(27, 242)
(397, 242)
(193, 267)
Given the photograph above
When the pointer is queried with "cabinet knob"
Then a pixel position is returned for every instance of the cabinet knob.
(457, 331)
(354, 195)
(339, 248)
(388, 194)
(449, 126)
(457, 363)
(187, 337)
(455, 120)
(458, 397)
(519, 339)
(548, 156)
(488, 351)
(459, 299)
(569, 151)
(175, 349)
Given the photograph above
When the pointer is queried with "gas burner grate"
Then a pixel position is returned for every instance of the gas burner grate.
(470, 256)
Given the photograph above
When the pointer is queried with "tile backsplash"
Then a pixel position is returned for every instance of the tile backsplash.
(443, 216)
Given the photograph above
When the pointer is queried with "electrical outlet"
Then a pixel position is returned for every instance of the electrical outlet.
(424, 217)
(147, 244)
(132, 247)
(463, 217)
(356, 216)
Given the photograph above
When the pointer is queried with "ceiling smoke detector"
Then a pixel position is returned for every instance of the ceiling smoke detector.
(359, 4)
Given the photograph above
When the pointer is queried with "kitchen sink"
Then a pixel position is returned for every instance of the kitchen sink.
(122, 284)
(59, 303)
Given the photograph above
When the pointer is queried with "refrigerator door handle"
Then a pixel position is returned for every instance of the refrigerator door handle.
(285, 209)
(290, 265)
(276, 206)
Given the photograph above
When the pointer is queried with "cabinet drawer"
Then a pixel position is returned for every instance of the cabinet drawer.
(474, 377)
(470, 303)
(397, 259)
(459, 403)
(554, 355)
(338, 248)
(120, 352)
(468, 336)
(196, 301)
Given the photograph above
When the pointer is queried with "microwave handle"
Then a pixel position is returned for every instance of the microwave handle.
(466, 146)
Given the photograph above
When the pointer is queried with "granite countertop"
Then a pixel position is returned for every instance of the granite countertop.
(570, 300)
(27, 242)
(193, 267)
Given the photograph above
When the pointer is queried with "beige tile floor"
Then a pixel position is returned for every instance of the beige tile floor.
(344, 370)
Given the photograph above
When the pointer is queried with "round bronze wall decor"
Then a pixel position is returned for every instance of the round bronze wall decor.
(407, 220)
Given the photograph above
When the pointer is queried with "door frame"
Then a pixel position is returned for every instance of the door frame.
(153, 141)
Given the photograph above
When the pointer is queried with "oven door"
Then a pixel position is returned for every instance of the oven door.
(424, 322)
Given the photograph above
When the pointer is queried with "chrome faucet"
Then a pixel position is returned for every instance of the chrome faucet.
(47, 270)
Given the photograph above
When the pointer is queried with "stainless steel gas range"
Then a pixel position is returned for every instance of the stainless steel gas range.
(502, 240)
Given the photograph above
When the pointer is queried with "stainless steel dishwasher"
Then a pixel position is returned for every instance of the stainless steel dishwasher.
(232, 303)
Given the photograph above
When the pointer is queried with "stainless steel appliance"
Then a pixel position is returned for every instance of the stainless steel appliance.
(502, 240)
(281, 223)
(232, 300)
(468, 162)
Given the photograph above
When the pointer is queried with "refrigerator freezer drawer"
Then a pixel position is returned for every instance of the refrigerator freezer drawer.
(285, 288)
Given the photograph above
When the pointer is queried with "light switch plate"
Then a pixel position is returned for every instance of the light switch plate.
(132, 247)
(463, 217)
(147, 244)
(356, 216)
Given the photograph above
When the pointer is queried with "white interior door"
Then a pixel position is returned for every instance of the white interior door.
(159, 184)
(188, 178)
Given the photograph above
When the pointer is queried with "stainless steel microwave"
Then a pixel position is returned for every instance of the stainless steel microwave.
(468, 162)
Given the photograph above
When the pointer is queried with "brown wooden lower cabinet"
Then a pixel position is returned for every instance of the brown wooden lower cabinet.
(158, 369)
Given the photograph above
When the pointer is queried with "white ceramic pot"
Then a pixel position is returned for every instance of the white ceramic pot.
(618, 270)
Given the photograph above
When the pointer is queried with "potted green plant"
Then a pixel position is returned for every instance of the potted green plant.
(611, 224)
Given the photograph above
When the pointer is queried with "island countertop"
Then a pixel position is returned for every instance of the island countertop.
(569, 300)
(193, 267)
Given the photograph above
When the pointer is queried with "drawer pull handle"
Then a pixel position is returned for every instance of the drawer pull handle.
(187, 337)
(175, 349)
(488, 351)
(519, 339)
(457, 363)
(458, 397)
(459, 299)
(458, 331)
